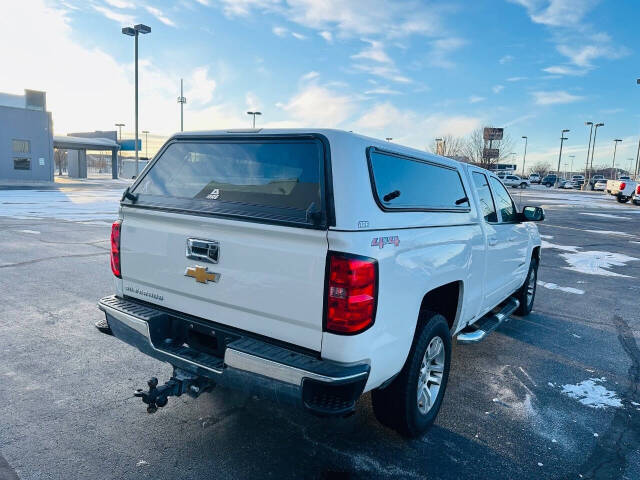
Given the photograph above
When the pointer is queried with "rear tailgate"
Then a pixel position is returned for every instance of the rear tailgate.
(253, 213)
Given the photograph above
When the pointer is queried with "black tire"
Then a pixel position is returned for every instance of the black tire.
(526, 303)
(523, 185)
(622, 198)
(396, 406)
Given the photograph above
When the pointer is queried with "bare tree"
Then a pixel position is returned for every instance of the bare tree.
(475, 144)
(543, 168)
(449, 146)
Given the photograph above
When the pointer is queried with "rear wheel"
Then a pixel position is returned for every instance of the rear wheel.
(527, 293)
(622, 199)
(411, 402)
(523, 185)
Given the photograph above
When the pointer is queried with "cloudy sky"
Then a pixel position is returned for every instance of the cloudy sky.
(411, 70)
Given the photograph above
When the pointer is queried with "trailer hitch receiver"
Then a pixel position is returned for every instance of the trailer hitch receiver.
(179, 383)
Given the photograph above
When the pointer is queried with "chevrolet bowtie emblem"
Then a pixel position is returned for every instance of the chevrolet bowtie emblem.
(201, 274)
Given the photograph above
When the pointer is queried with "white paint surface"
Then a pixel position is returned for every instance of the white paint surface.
(591, 394)
(610, 232)
(554, 286)
(606, 215)
(546, 237)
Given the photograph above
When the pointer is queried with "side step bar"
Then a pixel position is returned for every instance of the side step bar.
(479, 330)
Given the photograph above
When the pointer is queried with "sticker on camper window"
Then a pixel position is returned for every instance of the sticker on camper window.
(214, 195)
(382, 241)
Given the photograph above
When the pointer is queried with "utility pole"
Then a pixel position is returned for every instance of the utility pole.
(562, 139)
(524, 157)
(120, 125)
(635, 171)
(593, 148)
(613, 164)
(181, 100)
(571, 157)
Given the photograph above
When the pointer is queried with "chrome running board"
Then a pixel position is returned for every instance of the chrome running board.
(479, 330)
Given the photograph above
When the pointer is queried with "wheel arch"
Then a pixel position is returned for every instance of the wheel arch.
(445, 300)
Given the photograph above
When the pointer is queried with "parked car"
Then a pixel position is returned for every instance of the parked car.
(594, 179)
(515, 181)
(600, 185)
(549, 180)
(578, 181)
(241, 261)
(566, 184)
(535, 178)
(623, 190)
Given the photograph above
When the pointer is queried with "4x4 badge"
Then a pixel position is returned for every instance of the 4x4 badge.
(201, 274)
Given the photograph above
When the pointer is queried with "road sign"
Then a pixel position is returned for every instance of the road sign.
(129, 145)
(489, 153)
(493, 133)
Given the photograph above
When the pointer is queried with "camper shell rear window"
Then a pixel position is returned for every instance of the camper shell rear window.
(276, 180)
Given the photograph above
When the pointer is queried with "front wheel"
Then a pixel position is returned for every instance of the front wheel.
(527, 293)
(411, 402)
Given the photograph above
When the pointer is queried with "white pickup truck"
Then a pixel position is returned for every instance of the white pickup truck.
(622, 189)
(313, 266)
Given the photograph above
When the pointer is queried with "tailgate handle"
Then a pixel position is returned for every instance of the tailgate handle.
(205, 250)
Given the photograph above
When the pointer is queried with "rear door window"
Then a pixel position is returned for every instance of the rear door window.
(404, 183)
(486, 200)
(270, 179)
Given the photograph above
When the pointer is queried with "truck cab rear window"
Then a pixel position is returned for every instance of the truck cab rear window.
(403, 183)
(278, 179)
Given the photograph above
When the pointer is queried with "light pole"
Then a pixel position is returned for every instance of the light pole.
(613, 164)
(120, 125)
(254, 117)
(524, 157)
(135, 31)
(562, 139)
(181, 100)
(586, 165)
(146, 143)
(593, 148)
(571, 157)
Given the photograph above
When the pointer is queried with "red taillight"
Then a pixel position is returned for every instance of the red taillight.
(622, 186)
(115, 248)
(638, 190)
(351, 293)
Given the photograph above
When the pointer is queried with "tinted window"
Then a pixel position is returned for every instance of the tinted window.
(511, 177)
(486, 200)
(405, 183)
(503, 201)
(225, 177)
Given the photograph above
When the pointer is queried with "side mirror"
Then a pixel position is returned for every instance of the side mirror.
(532, 214)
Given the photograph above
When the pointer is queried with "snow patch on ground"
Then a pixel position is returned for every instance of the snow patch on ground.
(605, 215)
(591, 394)
(564, 248)
(597, 263)
(63, 204)
(546, 237)
(554, 286)
(34, 232)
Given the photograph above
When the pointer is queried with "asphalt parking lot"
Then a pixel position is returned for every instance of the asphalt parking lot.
(555, 395)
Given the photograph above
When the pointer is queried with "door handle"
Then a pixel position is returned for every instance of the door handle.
(493, 241)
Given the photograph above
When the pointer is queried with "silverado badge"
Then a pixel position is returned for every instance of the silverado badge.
(201, 274)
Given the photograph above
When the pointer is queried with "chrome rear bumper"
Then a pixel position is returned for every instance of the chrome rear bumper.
(242, 362)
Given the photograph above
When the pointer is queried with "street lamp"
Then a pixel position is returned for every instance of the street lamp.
(593, 148)
(254, 117)
(586, 165)
(562, 139)
(181, 100)
(146, 143)
(524, 157)
(120, 125)
(613, 164)
(135, 31)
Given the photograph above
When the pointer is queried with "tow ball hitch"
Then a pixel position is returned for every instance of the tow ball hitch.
(179, 383)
